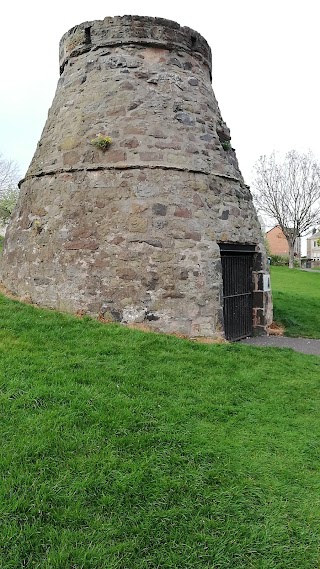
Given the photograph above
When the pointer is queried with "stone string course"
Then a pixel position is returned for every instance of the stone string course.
(131, 234)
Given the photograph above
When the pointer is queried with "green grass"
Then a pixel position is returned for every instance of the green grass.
(296, 301)
(1, 242)
(125, 450)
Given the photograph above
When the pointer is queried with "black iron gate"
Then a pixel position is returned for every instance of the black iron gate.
(237, 293)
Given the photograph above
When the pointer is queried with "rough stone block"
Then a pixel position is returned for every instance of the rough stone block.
(159, 209)
(151, 156)
(183, 212)
(195, 235)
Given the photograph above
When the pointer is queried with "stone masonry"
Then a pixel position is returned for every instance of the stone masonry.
(132, 233)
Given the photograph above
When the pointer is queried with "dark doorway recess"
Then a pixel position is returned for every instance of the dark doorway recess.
(237, 264)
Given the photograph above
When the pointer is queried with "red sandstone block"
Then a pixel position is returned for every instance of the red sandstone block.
(150, 156)
(183, 212)
(195, 235)
(126, 274)
(117, 112)
(134, 130)
(127, 86)
(81, 244)
(81, 233)
(163, 144)
(130, 143)
(117, 240)
(115, 156)
(71, 158)
(197, 200)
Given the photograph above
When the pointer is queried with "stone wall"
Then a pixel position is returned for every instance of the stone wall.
(132, 233)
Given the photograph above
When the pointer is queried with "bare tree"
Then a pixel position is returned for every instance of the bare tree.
(9, 176)
(288, 191)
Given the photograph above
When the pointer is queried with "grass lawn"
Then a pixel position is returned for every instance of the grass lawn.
(126, 450)
(1, 243)
(296, 301)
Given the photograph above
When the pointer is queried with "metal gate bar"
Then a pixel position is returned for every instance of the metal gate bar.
(237, 294)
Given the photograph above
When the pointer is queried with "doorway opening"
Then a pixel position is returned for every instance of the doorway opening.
(237, 274)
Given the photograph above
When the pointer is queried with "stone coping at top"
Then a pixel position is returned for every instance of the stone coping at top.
(126, 30)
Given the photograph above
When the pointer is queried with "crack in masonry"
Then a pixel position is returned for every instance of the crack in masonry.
(129, 167)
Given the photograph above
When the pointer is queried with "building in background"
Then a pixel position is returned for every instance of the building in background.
(278, 243)
(313, 246)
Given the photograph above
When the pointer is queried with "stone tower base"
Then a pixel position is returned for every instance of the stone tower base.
(133, 231)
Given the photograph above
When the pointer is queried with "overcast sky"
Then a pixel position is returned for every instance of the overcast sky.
(265, 67)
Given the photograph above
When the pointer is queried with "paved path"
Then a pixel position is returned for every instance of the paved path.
(304, 345)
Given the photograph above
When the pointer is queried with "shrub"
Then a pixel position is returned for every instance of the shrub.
(101, 141)
(283, 261)
(226, 145)
(279, 260)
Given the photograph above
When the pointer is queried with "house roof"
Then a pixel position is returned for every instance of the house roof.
(272, 228)
(314, 236)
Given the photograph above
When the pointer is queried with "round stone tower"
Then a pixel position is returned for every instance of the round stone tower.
(134, 202)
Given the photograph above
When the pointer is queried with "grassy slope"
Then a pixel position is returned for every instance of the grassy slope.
(296, 298)
(129, 450)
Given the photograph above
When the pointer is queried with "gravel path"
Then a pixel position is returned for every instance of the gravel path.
(304, 345)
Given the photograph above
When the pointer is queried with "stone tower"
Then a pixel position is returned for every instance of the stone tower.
(135, 230)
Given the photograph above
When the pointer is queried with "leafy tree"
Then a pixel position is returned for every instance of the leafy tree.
(9, 176)
(288, 191)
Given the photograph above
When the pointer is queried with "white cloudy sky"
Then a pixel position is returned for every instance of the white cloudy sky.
(265, 67)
